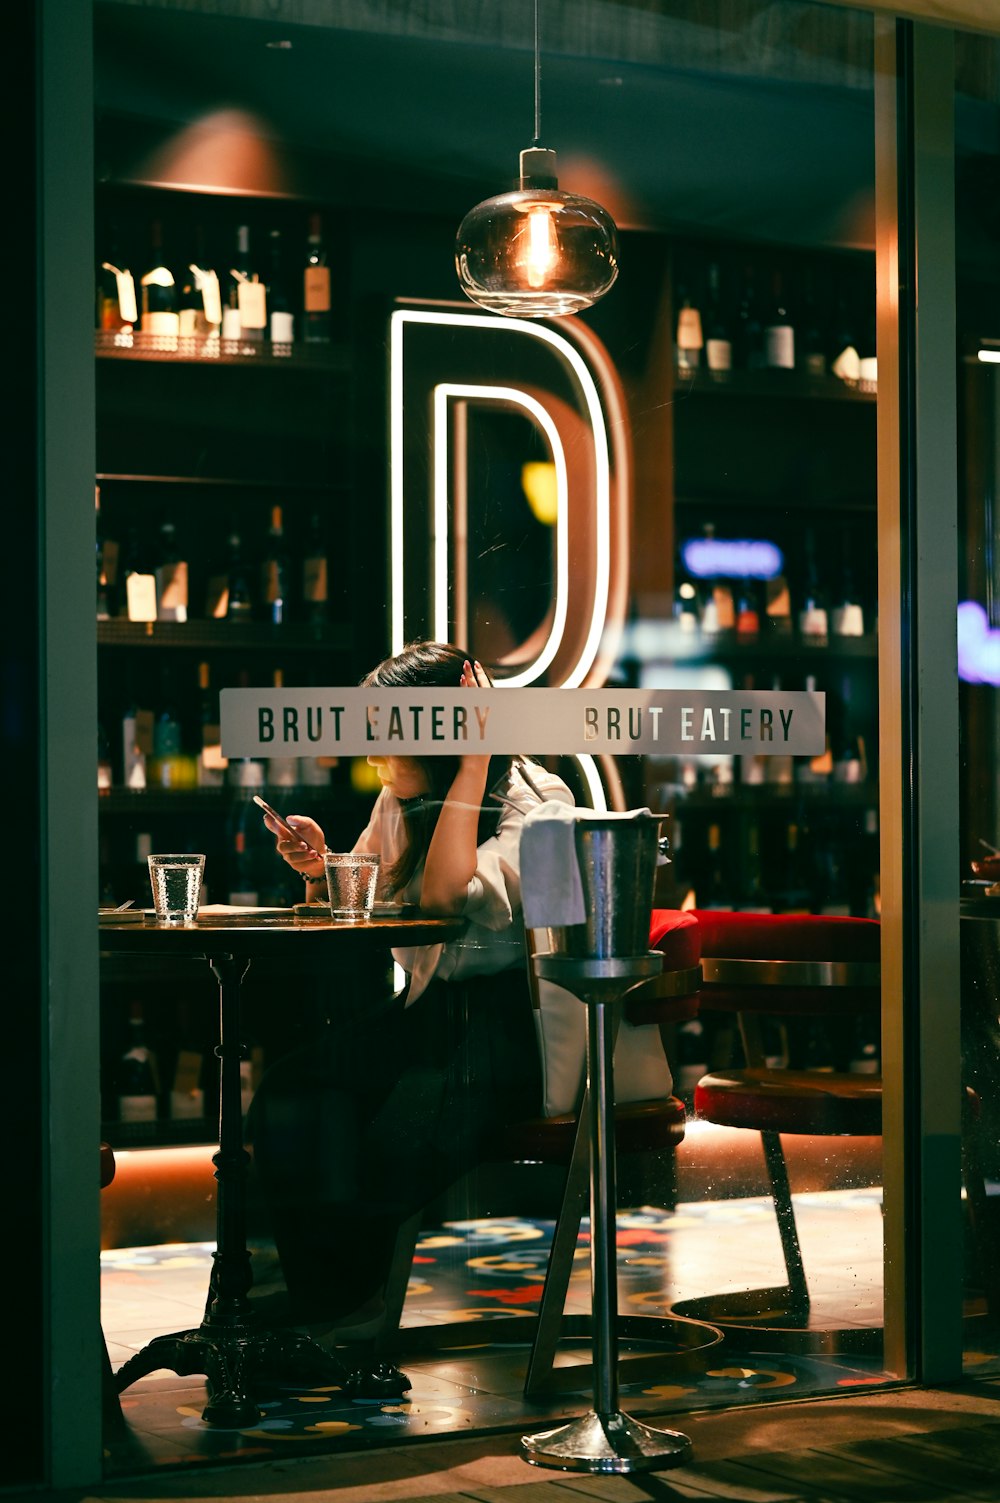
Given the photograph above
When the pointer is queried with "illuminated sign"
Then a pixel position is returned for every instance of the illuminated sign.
(732, 558)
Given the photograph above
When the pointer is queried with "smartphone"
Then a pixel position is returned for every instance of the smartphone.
(288, 829)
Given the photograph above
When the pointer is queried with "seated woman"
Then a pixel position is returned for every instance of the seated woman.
(393, 1103)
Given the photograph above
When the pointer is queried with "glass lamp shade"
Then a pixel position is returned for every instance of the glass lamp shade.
(536, 252)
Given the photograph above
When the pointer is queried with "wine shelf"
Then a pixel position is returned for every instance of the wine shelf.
(164, 1133)
(226, 482)
(110, 344)
(145, 801)
(205, 636)
(771, 385)
(760, 798)
(726, 647)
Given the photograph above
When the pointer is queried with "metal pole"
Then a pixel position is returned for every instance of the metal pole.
(603, 1200)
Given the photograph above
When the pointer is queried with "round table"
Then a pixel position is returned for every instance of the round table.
(230, 1346)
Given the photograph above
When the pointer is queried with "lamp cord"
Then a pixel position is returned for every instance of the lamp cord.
(538, 83)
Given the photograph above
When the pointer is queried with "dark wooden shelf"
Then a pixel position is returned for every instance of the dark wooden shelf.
(145, 801)
(330, 358)
(769, 385)
(163, 1133)
(758, 797)
(725, 647)
(220, 635)
(223, 482)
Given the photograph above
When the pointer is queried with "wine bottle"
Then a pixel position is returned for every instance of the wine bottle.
(139, 578)
(718, 609)
(849, 748)
(817, 769)
(282, 771)
(794, 892)
(211, 763)
(281, 326)
(714, 889)
(749, 329)
(274, 572)
(690, 340)
(812, 344)
(686, 613)
(247, 293)
(171, 577)
(813, 617)
(137, 738)
(315, 590)
(847, 617)
(779, 332)
(779, 768)
(718, 335)
(159, 315)
(199, 301)
(747, 610)
(107, 565)
(137, 1076)
(164, 770)
(105, 776)
(316, 318)
(239, 596)
(116, 307)
(752, 898)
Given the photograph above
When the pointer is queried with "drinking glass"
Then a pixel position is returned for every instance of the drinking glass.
(176, 884)
(352, 877)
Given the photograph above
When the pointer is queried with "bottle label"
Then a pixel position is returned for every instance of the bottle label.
(849, 620)
(140, 597)
(252, 305)
(316, 288)
(689, 335)
(207, 283)
(125, 286)
(779, 346)
(282, 328)
(779, 605)
(719, 354)
(314, 580)
(172, 589)
(725, 612)
(813, 622)
(163, 325)
(137, 1108)
(271, 582)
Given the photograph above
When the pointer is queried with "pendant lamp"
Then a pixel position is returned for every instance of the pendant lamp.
(536, 252)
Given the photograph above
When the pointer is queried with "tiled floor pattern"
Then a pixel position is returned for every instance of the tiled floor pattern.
(485, 1270)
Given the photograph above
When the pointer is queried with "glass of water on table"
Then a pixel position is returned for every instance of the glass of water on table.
(176, 883)
(351, 877)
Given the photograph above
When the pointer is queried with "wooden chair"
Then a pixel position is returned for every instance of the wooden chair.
(650, 1128)
(790, 965)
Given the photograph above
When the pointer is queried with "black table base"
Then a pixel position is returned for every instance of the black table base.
(243, 1360)
(238, 1355)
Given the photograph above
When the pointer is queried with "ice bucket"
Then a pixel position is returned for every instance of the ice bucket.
(617, 859)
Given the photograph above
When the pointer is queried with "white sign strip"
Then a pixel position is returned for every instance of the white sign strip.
(551, 722)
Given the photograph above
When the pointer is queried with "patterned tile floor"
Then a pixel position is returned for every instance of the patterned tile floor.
(486, 1270)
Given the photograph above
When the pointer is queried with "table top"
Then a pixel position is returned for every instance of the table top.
(254, 935)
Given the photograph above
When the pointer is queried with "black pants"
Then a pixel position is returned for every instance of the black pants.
(354, 1133)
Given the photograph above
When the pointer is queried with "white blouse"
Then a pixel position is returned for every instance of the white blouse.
(494, 934)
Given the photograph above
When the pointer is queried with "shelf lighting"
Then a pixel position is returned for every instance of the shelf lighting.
(537, 252)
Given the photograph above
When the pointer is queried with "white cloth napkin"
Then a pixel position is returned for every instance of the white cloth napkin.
(551, 887)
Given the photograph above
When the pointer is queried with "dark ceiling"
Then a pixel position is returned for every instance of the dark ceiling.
(739, 117)
(744, 118)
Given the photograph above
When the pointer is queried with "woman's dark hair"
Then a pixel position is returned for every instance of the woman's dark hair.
(431, 665)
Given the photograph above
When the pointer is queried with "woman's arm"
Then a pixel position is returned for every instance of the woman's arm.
(452, 857)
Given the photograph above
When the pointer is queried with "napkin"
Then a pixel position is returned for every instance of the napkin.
(551, 887)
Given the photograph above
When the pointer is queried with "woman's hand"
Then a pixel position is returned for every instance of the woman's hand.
(302, 860)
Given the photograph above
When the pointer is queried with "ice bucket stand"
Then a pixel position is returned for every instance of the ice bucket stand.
(605, 1439)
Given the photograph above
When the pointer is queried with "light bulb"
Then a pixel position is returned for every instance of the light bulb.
(536, 252)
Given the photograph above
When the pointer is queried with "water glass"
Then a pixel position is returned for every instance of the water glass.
(176, 883)
(352, 877)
